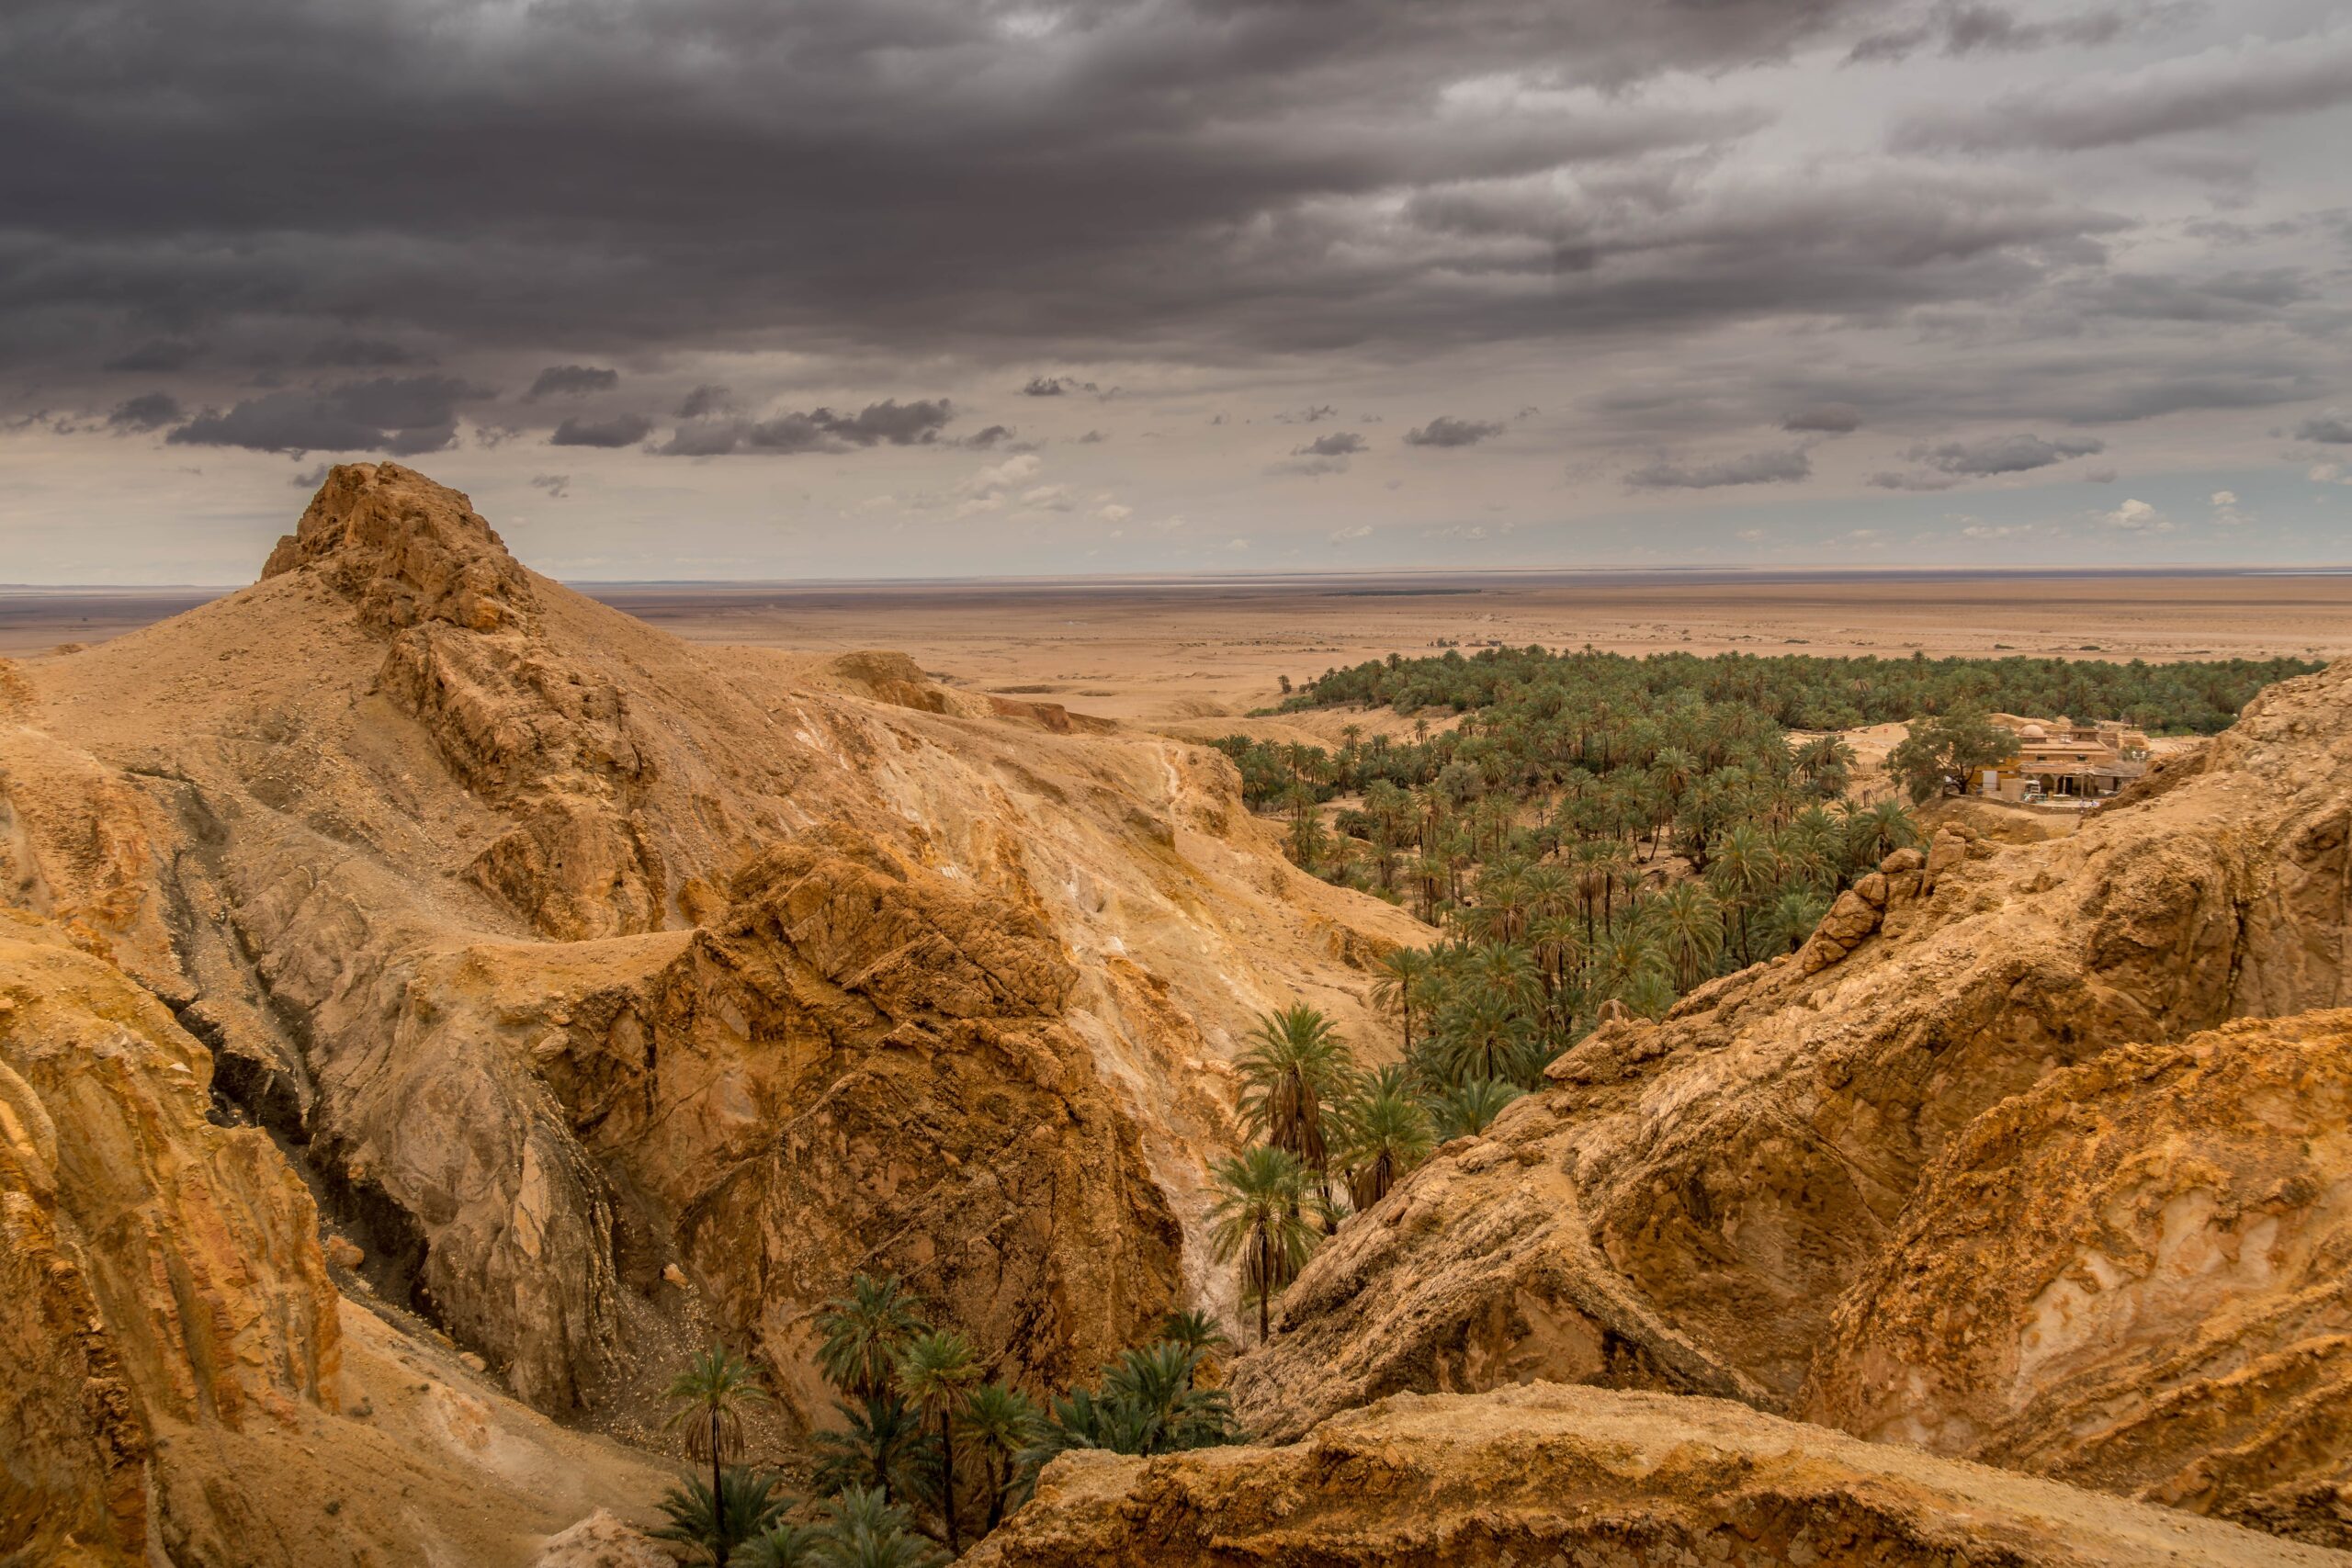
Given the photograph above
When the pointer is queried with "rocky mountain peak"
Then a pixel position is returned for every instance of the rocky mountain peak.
(406, 550)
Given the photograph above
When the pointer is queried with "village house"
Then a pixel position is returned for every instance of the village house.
(2063, 758)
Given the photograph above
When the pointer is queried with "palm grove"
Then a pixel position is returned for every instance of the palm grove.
(1594, 831)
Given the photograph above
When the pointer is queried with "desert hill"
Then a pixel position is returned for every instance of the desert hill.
(1964, 1170)
(1596, 1478)
(610, 993)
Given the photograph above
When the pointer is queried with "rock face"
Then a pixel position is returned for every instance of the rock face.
(183, 1377)
(2136, 1276)
(151, 1266)
(614, 994)
(1595, 1478)
(1688, 1202)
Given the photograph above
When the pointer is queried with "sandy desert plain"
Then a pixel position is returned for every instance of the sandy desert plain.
(1186, 655)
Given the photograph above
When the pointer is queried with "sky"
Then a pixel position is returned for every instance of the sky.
(856, 289)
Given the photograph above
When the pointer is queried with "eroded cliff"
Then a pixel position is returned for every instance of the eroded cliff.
(1688, 1202)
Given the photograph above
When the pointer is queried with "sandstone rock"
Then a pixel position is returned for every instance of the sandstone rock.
(342, 1253)
(1689, 1215)
(423, 879)
(601, 1540)
(1552, 1474)
(2135, 1276)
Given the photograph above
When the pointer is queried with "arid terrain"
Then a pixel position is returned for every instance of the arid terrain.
(1181, 654)
(433, 1002)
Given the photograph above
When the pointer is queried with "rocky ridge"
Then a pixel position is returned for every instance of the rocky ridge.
(608, 994)
(1597, 1478)
(1689, 1203)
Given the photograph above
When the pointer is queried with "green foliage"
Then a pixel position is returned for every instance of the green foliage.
(1259, 1217)
(1295, 1065)
(1952, 746)
(861, 1528)
(748, 1501)
(862, 1334)
(1472, 1108)
(880, 1445)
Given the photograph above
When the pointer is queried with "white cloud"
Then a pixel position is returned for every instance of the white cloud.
(1114, 512)
(2226, 511)
(1341, 535)
(2136, 517)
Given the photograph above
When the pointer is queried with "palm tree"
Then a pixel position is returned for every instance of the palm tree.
(1387, 1133)
(863, 1333)
(1195, 1330)
(863, 1528)
(711, 1395)
(783, 1545)
(933, 1373)
(1256, 1218)
(1742, 864)
(1690, 925)
(880, 1445)
(1002, 1421)
(1470, 1110)
(1296, 1063)
(1159, 1380)
(744, 1504)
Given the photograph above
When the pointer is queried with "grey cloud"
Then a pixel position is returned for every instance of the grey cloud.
(1829, 419)
(1056, 385)
(156, 353)
(1968, 26)
(705, 401)
(1093, 438)
(1756, 468)
(1338, 443)
(618, 430)
(571, 381)
(2000, 455)
(1447, 431)
(992, 436)
(2333, 429)
(2204, 92)
(558, 486)
(1893, 478)
(359, 354)
(403, 416)
(310, 478)
(149, 411)
(889, 422)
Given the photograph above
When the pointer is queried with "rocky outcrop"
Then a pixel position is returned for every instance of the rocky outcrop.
(1601, 1479)
(153, 1266)
(1688, 1202)
(2136, 1276)
(616, 994)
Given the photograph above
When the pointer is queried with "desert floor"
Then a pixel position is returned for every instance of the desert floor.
(1181, 655)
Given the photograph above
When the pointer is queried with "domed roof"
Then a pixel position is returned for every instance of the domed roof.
(2033, 732)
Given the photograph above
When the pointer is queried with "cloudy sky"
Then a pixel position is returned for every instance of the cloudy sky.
(770, 288)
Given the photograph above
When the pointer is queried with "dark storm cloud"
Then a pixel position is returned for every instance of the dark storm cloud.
(556, 174)
(1828, 419)
(1056, 387)
(2000, 455)
(618, 430)
(1965, 27)
(889, 422)
(2203, 92)
(156, 353)
(1338, 443)
(571, 381)
(2331, 429)
(1754, 469)
(150, 411)
(401, 415)
(1447, 431)
(359, 354)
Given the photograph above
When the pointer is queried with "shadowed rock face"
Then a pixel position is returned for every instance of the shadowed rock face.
(153, 1266)
(1547, 1473)
(576, 963)
(2137, 1277)
(1686, 1205)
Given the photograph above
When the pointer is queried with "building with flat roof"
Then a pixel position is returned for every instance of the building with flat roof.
(2062, 759)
